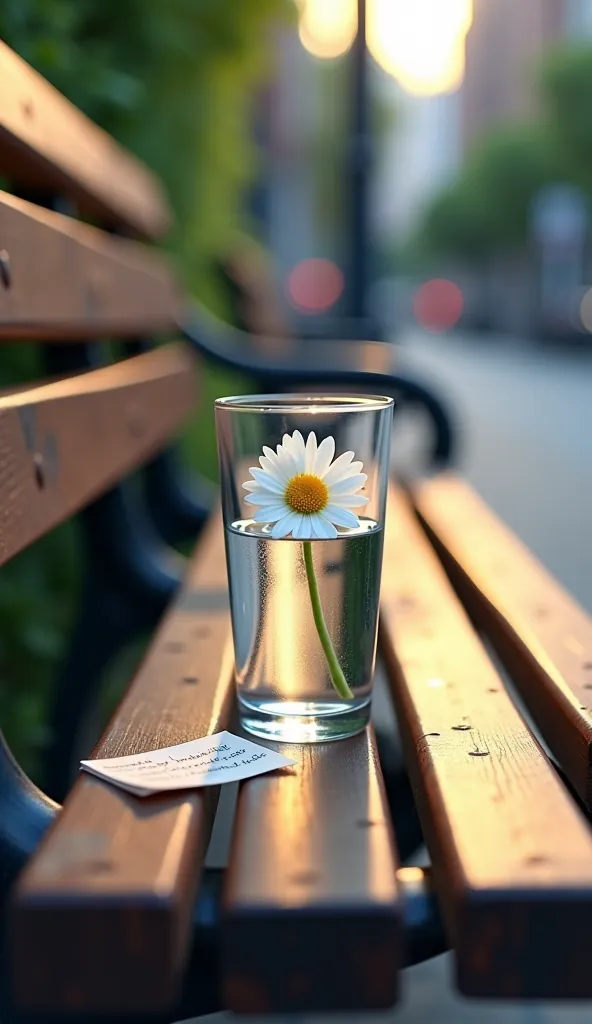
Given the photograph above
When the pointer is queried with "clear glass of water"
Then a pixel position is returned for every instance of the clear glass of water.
(304, 481)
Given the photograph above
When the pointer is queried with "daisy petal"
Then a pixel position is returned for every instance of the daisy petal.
(311, 452)
(341, 517)
(293, 449)
(269, 483)
(276, 462)
(349, 500)
(321, 527)
(352, 470)
(283, 526)
(252, 485)
(289, 464)
(298, 446)
(303, 530)
(325, 453)
(270, 515)
(298, 452)
(273, 468)
(264, 499)
(336, 470)
(348, 486)
(330, 531)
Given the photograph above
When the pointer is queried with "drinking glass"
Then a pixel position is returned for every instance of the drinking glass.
(304, 481)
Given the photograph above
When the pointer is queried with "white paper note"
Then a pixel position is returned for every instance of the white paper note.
(208, 761)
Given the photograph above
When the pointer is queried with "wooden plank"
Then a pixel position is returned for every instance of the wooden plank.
(312, 912)
(64, 443)
(46, 143)
(540, 632)
(100, 921)
(66, 280)
(511, 853)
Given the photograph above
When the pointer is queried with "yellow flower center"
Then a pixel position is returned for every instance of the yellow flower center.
(306, 494)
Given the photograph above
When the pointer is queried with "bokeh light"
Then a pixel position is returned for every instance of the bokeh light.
(586, 310)
(314, 285)
(327, 28)
(420, 43)
(438, 305)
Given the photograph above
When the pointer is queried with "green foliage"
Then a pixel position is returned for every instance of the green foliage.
(566, 84)
(37, 595)
(486, 210)
(488, 207)
(173, 81)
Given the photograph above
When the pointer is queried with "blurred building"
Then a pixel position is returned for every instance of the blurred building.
(420, 155)
(502, 48)
(578, 18)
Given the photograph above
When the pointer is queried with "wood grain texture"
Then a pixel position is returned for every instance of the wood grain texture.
(46, 143)
(542, 634)
(64, 443)
(67, 280)
(312, 913)
(511, 853)
(100, 921)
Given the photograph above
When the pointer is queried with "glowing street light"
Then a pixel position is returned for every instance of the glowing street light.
(327, 28)
(421, 43)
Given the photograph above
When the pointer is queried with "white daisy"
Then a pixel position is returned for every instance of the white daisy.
(301, 491)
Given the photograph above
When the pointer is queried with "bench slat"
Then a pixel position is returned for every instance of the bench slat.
(45, 142)
(64, 443)
(109, 895)
(511, 854)
(542, 634)
(71, 281)
(312, 910)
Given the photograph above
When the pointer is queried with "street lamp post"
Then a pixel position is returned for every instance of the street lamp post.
(360, 161)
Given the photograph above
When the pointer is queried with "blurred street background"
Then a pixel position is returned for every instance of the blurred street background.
(417, 172)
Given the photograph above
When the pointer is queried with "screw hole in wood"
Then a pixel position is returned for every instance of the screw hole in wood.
(39, 470)
(305, 877)
(174, 647)
(5, 272)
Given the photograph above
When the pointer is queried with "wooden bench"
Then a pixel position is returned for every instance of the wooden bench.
(112, 912)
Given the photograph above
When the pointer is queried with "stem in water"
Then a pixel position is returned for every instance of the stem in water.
(336, 672)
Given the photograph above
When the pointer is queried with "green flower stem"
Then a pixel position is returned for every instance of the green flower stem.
(337, 676)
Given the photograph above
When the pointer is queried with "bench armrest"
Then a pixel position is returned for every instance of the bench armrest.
(277, 362)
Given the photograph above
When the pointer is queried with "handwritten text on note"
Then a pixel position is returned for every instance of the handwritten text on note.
(205, 762)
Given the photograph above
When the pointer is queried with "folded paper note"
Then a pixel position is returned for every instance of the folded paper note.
(208, 761)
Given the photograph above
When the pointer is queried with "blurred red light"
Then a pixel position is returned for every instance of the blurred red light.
(314, 285)
(438, 304)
